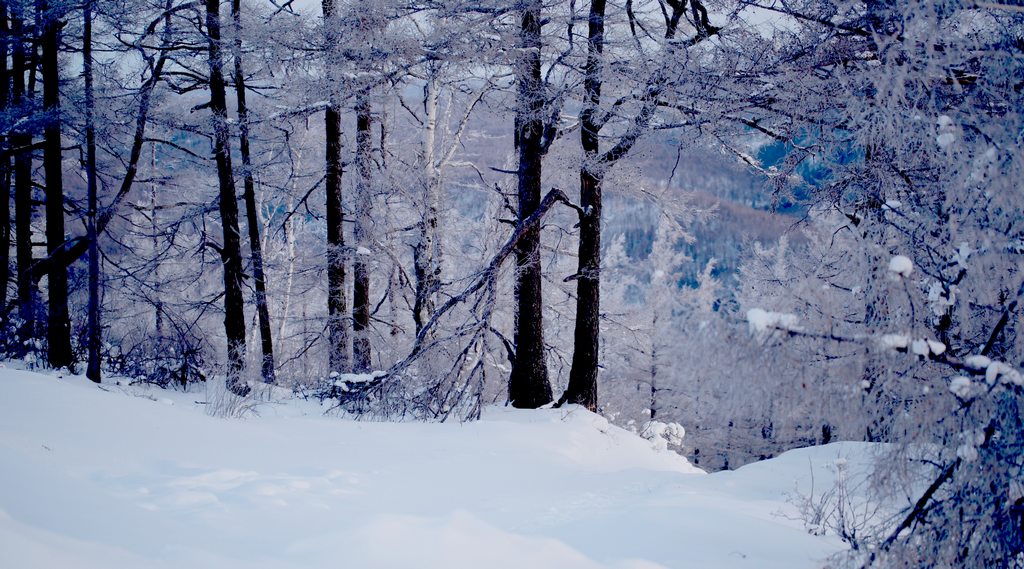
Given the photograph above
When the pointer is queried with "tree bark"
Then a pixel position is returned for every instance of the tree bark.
(5, 173)
(249, 195)
(427, 253)
(653, 380)
(231, 255)
(339, 358)
(582, 388)
(154, 229)
(361, 354)
(23, 208)
(93, 334)
(528, 385)
(58, 330)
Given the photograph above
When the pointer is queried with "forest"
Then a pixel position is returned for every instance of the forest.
(736, 227)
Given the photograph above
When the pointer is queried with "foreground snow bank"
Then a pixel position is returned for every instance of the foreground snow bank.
(94, 477)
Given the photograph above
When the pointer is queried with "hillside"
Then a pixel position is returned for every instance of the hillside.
(125, 477)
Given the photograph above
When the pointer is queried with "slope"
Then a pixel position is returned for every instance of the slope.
(125, 477)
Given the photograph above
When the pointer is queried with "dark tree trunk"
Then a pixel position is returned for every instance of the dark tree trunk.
(154, 229)
(33, 54)
(582, 387)
(654, 373)
(58, 330)
(231, 254)
(528, 385)
(94, 332)
(249, 195)
(361, 360)
(339, 358)
(23, 208)
(5, 176)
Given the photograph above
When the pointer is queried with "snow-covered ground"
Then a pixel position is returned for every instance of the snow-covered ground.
(119, 477)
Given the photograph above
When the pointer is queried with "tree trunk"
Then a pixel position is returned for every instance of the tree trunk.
(5, 176)
(93, 334)
(33, 54)
(528, 385)
(361, 356)
(58, 331)
(249, 195)
(289, 239)
(427, 253)
(23, 208)
(154, 229)
(654, 368)
(582, 387)
(339, 358)
(231, 255)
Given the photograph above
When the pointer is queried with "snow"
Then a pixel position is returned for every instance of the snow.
(111, 477)
(963, 252)
(939, 299)
(961, 386)
(967, 452)
(945, 139)
(1014, 377)
(977, 362)
(663, 435)
(946, 130)
(920, 348)
(924, 347)
(894, 341)
(901, 266)
(1000, 370)
(761, 320)
(994, 370)
(346, 380)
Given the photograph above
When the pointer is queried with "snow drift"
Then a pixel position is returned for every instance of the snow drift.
(127, 477)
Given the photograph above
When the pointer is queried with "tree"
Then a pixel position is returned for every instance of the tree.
(441, 141)
(5, 173)
(230, 249)
(21, 143)
(582, 388)
(93, 330)
(911, 182)
(58, 328)
(337, 319)
(361, 236)
(249, 196)
(528, 385)
(427, 251)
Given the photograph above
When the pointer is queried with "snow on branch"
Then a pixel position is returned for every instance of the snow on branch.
(901, 265)
(761, 320)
